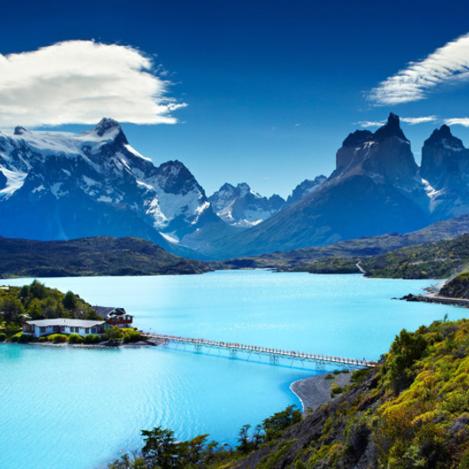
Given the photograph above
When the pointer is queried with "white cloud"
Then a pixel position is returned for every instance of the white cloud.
(407, 120)
(449, 63)
(418, 120)
(366, 124)
(464, 121)
(79, 82)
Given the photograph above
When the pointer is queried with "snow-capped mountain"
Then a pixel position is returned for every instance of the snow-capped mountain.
(304, 188)
(56, 185)
(241, 207)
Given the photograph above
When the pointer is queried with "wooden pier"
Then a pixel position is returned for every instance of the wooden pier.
(273, 353)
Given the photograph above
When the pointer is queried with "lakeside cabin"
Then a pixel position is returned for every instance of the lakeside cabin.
(110, 317)
(82, 327)
(114, 316)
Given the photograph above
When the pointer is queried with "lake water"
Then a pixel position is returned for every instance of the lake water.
(79, 408)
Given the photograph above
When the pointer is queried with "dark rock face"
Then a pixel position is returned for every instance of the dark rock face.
(304, 188)
(386, 155)
(444, 158)
(445, 166)
(3, 181)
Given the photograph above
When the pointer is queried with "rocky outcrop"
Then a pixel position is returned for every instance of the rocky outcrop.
(304, 188)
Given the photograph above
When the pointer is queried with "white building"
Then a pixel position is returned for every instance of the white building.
(63, 326)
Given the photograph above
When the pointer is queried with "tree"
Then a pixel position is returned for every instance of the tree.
(274, 425)
(244, 444)
(70, 301)
(11, 309)
(406, 349)
(38, 290)
(258, 436)
(159, 447)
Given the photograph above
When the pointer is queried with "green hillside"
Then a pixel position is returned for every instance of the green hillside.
(412, 411)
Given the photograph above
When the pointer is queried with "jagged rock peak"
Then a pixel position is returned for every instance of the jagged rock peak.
(443, 135)
(20, 130)
(357, 138)
(392, 128)
(110, 127)
(106, 124)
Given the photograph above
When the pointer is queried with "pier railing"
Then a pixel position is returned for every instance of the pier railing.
(273, 353)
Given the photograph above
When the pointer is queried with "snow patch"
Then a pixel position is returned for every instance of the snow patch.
(132, 150)
(171, 237)
(15, 181)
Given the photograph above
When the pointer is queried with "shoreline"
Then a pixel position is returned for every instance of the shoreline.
(314, 391)
(436, 299)
(140, 343)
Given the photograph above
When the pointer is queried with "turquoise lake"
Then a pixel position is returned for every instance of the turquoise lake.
(77, 408)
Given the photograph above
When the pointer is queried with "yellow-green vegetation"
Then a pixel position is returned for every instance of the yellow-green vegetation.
(126, 335)
(411, 411)
(458, 287)
(36, 301)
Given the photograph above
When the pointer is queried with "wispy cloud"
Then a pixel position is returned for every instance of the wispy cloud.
(447, 64)
(418, 120)
(407, 120)
(464, 121)
(81, 81)
(366, 124)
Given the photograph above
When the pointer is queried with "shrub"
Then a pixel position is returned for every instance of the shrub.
(21, 338)
(336, 389)
(359, 376)
(58, 338)
(114, 334)
(92, 339)
(3, 337)
(131, 335)
(75, 339)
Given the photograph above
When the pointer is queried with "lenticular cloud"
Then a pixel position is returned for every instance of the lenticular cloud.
(449, 63)
(78, 82)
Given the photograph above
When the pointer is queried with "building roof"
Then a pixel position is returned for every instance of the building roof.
(65, 322)
(107, 311)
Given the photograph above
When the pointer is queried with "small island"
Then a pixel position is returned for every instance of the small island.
(37, 314)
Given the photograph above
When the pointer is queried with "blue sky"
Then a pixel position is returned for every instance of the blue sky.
(272, 87)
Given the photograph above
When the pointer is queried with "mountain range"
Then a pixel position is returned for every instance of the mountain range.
(376, 188)
(58, 186)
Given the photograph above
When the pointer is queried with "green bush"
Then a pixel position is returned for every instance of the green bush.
(114, 334)
(75, 339)
(336, 389)
(58, 338)
(131, 335)
(92, 339)
(3, 337)
(21, 338)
